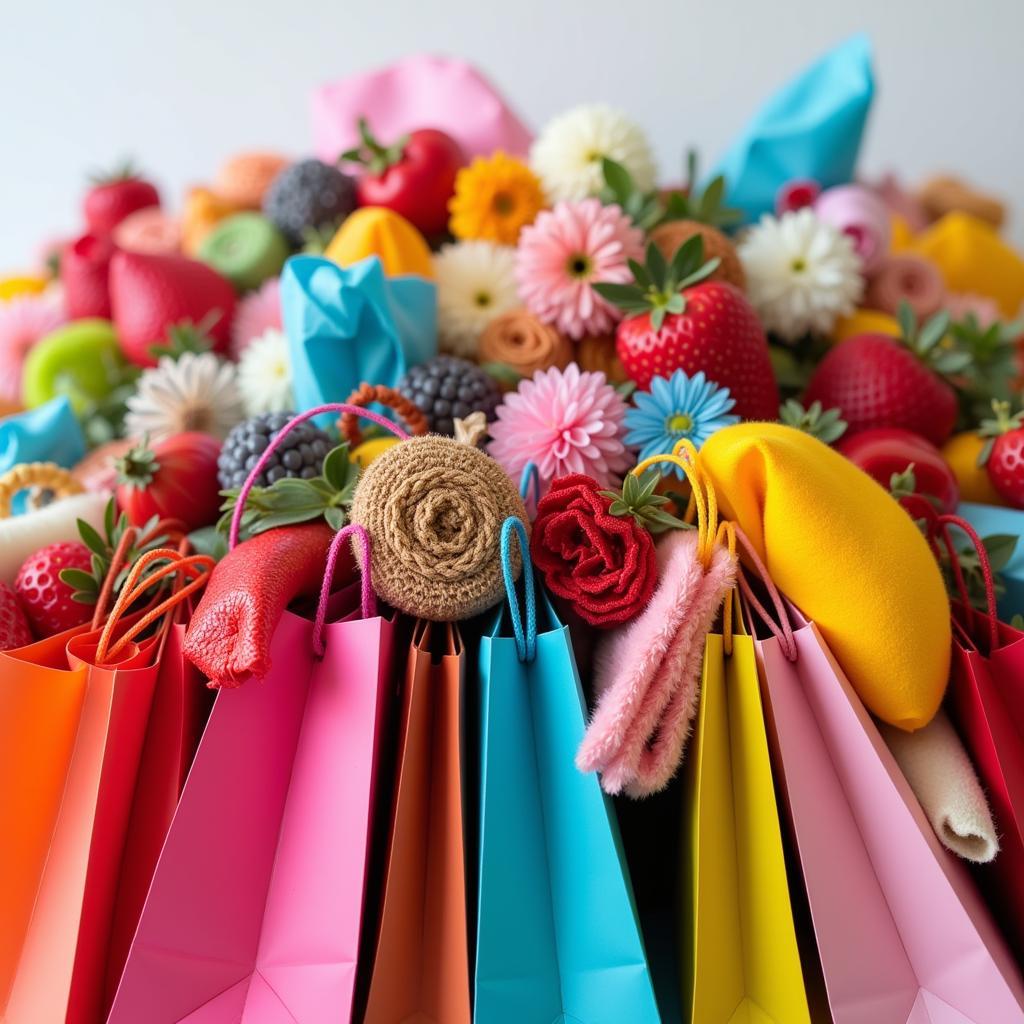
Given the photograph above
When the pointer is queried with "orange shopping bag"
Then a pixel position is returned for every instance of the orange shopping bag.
(421, 968)
(73, 716)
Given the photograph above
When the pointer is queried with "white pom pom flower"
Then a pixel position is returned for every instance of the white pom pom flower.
(265, 374)
(567, 154)
(802, 273)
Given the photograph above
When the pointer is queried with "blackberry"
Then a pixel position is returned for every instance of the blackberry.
(308, 195)
(447, 388)
(301, 453)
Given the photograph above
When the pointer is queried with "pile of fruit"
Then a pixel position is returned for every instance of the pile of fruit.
(575, 315)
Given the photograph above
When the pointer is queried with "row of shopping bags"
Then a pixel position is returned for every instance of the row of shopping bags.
(390, 827)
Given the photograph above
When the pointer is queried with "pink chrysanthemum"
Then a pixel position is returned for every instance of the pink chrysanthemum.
(564, 252)
(23, 321)
(257, 312)
(563, 421)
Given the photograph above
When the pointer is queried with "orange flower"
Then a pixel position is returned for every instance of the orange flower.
(495, 197)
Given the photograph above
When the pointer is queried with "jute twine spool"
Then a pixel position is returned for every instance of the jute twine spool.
(434, 508)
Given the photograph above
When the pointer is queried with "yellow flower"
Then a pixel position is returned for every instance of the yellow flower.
(495, 197)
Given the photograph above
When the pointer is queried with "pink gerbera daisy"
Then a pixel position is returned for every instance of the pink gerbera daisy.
(254, 314)
(567, 250)
(563, 421)
(23, 321)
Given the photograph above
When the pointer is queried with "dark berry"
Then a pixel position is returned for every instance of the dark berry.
(300, 454)
(308, 195)
(448, 388)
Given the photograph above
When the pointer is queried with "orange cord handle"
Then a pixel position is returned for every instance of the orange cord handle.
(135, 586)
(365, 395)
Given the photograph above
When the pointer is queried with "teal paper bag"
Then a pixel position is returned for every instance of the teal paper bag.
(811, 128)
(558, 938)
(989, 520)
(48, 433)
(347, 325)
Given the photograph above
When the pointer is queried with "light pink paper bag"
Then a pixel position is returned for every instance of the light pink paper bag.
(255, 910)
(902, 933)
(418, 92)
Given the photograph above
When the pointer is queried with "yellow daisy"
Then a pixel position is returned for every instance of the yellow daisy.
(495, 197)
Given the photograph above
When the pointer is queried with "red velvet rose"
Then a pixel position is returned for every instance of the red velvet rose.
(604, 564)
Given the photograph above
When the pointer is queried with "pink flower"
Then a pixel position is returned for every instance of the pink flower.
(23, 321)
(986, 310)
(564, 252)
(254, 314)
(563, 421)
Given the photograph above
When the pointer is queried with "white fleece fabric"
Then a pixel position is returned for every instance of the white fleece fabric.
(942, 777)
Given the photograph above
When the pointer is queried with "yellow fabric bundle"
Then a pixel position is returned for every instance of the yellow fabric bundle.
(376, 231)
(847, 555)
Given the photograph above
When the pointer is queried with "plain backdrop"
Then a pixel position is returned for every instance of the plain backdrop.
(181, 84)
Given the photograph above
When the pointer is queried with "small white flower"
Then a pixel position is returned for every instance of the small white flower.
(802, 273)
(567, 154)
(194, 392)
(265, 374)
(476, 282)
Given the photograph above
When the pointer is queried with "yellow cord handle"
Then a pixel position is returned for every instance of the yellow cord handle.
(727, 531)
(36, 474)
(702, 494)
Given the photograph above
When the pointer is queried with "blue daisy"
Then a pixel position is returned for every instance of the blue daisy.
(680, 406)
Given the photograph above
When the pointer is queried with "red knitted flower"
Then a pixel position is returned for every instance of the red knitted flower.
(603, 564)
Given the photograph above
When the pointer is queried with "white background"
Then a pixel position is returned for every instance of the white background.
(180, 84)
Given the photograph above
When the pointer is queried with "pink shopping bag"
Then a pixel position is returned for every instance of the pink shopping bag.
(255, 910)
(902, 933)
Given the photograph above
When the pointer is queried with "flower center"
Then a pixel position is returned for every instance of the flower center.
(503, 204)
(196, 418)
(579, 265)
(680, 423)
(482, 299)
(798, 266)
(595, 156)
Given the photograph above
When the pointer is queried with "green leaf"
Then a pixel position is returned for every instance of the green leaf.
(933, 332)
(336, 518)
(657, 318)
(618, 508)
(640, 275)
(657, 521)
(92, 540)
(711, 200)
(648, 482)
(617, 178)
(81, 597)
(619, 293)
(208, 540)
(907, 320)
(337, 466)
(626, 388)
(702, 272)
(108, 517)
(1000, 548)
(656, 266)
(276, 519)
(687, 258)
(80, 580)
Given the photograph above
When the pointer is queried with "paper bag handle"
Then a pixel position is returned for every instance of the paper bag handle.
(342, 407)
(526, 640)
(368, 599)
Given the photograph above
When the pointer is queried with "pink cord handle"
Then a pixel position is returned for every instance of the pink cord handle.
(243, 496)
(779, 625)
(368, 599)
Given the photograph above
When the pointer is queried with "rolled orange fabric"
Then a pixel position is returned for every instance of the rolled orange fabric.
(518, 339)
(244, 178)
(597, 354)
(906, 277)
(945, 194)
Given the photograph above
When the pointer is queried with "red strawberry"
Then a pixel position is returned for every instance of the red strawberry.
(14, 629)
(45, 597)
(149, 293)
(677, 320)
(1003, 454)
(114, 196)
(84, 272)
(879, 381)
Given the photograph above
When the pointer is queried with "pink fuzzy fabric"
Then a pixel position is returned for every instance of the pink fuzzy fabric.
(647, 673)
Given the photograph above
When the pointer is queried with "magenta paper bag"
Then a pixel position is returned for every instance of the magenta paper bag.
(417, 92)
(902, 934)
(255, 910)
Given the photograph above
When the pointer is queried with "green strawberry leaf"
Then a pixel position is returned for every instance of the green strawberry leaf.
(91, 539)
(1000, 548)
(80, 580)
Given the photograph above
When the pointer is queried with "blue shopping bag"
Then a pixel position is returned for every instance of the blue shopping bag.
(811, 128)
(989, 520)
(346, 325)
(48, 433)
(558, 937)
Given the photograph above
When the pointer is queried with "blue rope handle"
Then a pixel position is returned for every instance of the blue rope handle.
(530, 475)
(526, 643)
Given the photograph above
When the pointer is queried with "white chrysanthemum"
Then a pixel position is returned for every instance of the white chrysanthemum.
(802, 273)
(265, 374)
(567, 154)
(476, 281)
(197, 391)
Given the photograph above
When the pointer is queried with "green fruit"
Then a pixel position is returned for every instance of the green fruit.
(246, 248)
(82, 360)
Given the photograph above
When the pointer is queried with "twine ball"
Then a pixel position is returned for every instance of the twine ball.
(434, 509)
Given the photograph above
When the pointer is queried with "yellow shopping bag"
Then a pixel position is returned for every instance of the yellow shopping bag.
(741, 962)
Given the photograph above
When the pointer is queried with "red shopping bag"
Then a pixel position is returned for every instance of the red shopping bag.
(61, 947)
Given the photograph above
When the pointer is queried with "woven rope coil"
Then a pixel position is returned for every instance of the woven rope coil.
(434, 509)
(367, 394)
(44, 475)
